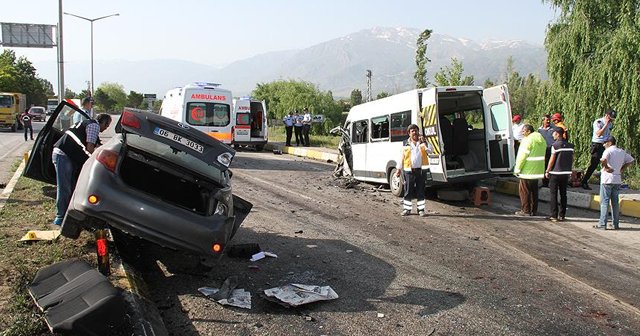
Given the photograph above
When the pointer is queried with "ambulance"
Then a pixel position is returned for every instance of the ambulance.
(203, 106)
(250, 123)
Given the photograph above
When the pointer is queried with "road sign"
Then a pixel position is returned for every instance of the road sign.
(149, 95)
(27, 35)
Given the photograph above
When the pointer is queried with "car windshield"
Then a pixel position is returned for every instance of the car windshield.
(174, 155)
(37, 110)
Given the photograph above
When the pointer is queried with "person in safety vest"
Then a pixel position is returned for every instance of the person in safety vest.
(69, 154)
(558, 172)
(529, 169)
(413, 162)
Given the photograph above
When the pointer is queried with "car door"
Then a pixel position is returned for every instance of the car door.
(40, 166)
(499, 133)
(431, 130)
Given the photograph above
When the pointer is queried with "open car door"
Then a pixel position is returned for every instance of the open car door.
(40, 166)
(500, 138)
(431, 131)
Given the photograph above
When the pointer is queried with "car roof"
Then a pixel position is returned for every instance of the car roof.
(177, 135)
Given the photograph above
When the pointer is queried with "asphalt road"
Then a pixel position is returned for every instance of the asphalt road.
(12, 148)
(461, 270)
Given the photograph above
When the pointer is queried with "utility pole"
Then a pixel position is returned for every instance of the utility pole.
(61, 89)
(369, 85)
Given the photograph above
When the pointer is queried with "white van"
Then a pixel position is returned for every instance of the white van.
(250, 123)
(204, 106)
(468, 127)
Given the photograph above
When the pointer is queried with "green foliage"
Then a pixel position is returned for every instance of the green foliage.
(452, 76)
(69, 94)
(112, 97)
(382, 94)
(84, 93)
(421, 59)
(285, 96)
(593, 64)
(135, 100)
(19, 75)
(356, 97)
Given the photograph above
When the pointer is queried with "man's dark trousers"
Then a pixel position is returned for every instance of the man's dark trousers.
(413, 185)
(289, 130)
(528, 190)
(558, 182)
(596, 154)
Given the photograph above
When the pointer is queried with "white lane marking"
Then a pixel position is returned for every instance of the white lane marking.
(272, 185)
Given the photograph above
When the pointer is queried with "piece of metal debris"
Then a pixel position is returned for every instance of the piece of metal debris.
(292, 295)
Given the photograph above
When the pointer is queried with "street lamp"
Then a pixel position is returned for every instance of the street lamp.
(92, 20)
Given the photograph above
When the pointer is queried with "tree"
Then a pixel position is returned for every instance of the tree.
(452, 76)
(593, 61)
(103, 100)
(68, 94)
(356, 97)
(19, 75)
(382, 94)
(135, 99)
(117, 98)
(422, 59)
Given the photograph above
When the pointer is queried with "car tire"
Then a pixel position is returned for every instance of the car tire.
(396, 183)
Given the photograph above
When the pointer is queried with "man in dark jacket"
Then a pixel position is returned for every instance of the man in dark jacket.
(26, 119)
(70, 153)
(558, 172)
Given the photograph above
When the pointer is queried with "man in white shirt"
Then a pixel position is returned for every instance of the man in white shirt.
(306, 127)
(517, 130)
(614, 161)
(87, 107)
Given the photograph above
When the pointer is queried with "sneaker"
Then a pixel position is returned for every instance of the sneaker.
(553, 219)
(422, 214)
(405, 212)
(522, 213)
(57, 221)
(561, 219)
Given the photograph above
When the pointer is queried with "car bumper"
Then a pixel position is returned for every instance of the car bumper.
(141, 215)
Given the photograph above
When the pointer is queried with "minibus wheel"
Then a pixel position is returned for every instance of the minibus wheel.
(396, 183)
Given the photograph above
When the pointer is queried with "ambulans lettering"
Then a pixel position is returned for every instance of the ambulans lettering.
(243, 108)
(203, 96)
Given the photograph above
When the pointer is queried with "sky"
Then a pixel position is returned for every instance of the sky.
(218, 32)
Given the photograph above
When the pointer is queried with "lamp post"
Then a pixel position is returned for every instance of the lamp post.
(92, 21)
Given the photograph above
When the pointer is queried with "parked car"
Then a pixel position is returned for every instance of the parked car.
(156, 179)
(38, 113)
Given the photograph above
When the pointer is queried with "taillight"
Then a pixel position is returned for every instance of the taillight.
(216, 248)
(129, 119)
(108, 158)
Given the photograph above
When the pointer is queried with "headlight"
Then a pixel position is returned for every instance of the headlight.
(221, 209)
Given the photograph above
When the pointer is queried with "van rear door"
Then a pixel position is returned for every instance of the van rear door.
(242, 123)
(500, 141)
(431, 131)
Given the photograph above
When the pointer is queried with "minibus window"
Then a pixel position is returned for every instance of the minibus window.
(380, 127)
(360, 131)
(499, 118)
(399, 123)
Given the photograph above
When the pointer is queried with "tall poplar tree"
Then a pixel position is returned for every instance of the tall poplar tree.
(422, 59)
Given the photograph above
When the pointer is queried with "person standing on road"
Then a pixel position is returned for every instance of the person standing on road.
(306, 127)
(25, 119)
(413, 162)
(529, 169)
(517, 130)
(614, 161)
(297, 127)
(69, 154)
(547, 133)
(601, 129)
(288, 126)
(558, 172)
(558, 121)
(87, 107)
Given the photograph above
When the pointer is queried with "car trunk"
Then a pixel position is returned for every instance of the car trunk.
(161, 179)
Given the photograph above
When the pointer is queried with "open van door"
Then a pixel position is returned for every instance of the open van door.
(500, 140)
(431, 131)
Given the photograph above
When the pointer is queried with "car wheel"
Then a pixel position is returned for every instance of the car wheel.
(396, 183)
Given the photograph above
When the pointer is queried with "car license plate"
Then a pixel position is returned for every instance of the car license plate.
(179, 139)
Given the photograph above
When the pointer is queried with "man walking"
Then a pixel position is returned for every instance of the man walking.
(529, 169)
(306, 126)
(413, 162)
(614, 161)
(558, 172)
(288, 126)
(25, 119)
(601, 129)
(69, 154)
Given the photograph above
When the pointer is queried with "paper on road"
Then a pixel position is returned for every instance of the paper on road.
(297, 294)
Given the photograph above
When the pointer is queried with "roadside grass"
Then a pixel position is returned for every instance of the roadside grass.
(277, 134)
(30, 207)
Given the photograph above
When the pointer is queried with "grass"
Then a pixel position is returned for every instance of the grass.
(277, 134)
(30, 207)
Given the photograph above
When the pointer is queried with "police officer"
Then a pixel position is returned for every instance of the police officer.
(601, 130)
(288, 126)
(69, 154)
(558, 172)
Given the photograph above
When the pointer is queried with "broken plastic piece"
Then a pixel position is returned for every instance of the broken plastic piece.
(35, 235)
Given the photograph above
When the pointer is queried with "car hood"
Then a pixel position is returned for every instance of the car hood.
(177, 135)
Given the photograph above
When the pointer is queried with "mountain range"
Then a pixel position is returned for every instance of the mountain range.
(338, 65)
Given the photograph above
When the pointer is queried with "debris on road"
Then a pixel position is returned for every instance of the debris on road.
(228, 295)
(299, 232)
(262, 255)
(293, 295)
(380, 315)
(36, 235)
(242, 250)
